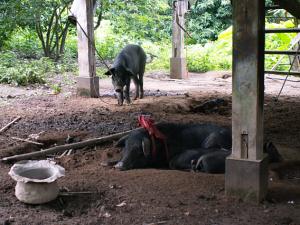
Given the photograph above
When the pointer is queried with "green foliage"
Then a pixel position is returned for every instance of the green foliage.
(11, 16)
(71, 48)
(8, 59)
(278, 41)
(108, 48)
(213, 55)
(100, 72)
(218, 55)
(66, 64)
(56, 88)
(47, 17)
(161, 52)
(140, 19)
(108, 43)
(198, 60)
(23, 72)
(207, 19)
(25, 34)
(210, 57)
(152, 19)
(25, 43)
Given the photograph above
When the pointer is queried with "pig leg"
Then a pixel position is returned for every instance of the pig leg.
(213, 162)
(120, 98)
(136, 83)
(141, 88)
(183, 160)
(126, 93)
(141, 74)
(216, 140)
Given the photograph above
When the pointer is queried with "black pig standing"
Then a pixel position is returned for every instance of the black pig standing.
(129, 64)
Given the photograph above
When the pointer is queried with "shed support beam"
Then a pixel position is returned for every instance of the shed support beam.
(246, 169)
(87, 81)
(178, 61)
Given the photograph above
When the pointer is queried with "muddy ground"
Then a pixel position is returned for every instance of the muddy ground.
(144, 196)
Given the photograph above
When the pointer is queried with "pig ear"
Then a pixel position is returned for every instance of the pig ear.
(110, 72)
(121, 142)
(146, 144)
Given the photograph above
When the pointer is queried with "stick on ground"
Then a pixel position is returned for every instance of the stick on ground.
(73, 146)
(9, 124)
(26, 140)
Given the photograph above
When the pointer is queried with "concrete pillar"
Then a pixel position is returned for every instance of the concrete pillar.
(87, 81)
(246, 169)
(178, 67)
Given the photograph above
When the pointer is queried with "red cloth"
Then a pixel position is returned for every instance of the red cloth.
(148, 123)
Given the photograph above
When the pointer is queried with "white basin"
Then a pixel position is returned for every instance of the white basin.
(36, 180)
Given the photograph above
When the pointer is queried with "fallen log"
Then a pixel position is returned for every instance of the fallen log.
(73, 146)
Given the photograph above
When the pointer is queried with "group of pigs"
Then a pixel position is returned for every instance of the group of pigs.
(197, 147)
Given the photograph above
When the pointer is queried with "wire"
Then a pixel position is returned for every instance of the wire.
(177, 21)
(93, 45)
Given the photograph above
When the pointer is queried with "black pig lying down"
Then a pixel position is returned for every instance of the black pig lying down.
(129, 64)
(185, 143)
(199, 147)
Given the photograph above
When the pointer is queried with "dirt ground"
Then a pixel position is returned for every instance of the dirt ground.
(144, 196)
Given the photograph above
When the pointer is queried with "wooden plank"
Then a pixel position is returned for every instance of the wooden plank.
(294, 73)
(272, 7)
(277, 52)
(282, 30)
(248, 79)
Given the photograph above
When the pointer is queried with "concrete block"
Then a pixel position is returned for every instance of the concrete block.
(247, 179)
(178, 68)
(88, 86)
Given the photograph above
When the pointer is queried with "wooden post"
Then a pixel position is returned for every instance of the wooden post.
(246, 169)
(87, 82)
(178, 61)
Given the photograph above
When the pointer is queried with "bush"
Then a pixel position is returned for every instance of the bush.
(207, 19)
(25, 43)
(213, 55)
(66, 64)
(161, 53)
(71, 49)
(218, 55)
(8, 59)
(108, 44)
(23, 72)
(108, 48)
